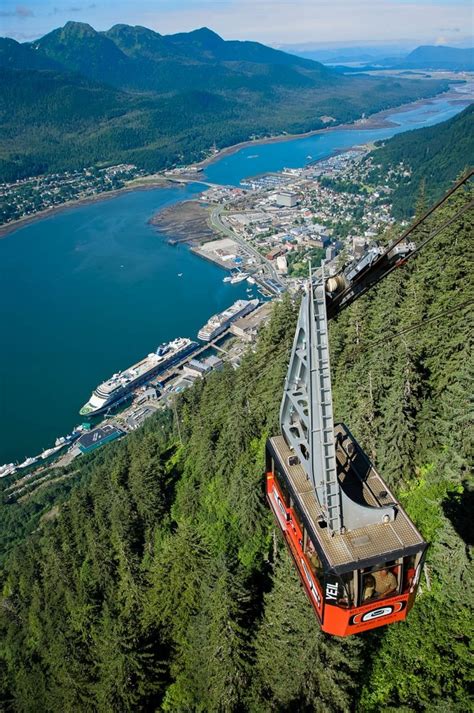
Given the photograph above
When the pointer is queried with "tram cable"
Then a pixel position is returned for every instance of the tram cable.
(364, 347)
(461, 182)
(340, 297)
(389, 337)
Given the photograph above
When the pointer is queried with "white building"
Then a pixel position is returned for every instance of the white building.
(285, 199)
(282, 264)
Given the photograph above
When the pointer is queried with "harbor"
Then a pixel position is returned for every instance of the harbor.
(96, 286)
(186, 362)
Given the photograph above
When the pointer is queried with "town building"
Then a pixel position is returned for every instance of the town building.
(286, 199)
(282, 264)
(358, 246)
(98, 437)
(274, 253)
(247, 327)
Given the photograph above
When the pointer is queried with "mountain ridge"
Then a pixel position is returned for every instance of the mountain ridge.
(440, 56)
(158, 79)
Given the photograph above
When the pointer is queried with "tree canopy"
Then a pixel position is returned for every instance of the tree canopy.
(160, 580)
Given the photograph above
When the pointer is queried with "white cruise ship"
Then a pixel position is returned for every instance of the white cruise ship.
(7, 469)
(219, 322)
(119, 386)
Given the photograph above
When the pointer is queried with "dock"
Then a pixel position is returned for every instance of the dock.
(213, 344)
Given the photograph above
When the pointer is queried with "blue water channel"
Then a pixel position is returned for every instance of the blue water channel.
(262, 158)
(91, 290)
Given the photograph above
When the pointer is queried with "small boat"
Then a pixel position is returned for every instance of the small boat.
(180, 274)
(309, 157)
(228, 278)
(65, 440)
(238, 278)
(49, 452)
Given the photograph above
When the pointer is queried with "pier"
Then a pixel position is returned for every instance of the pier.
(213, 344)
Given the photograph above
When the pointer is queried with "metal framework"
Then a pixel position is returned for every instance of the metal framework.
(306, 417)
(306, 412)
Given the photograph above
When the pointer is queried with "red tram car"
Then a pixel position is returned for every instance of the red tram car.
(340, 573)
(358, 554)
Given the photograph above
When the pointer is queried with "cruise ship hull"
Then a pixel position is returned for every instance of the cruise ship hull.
(89, 411)
(123, 394)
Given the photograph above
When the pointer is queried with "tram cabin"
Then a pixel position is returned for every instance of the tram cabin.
(358, 580)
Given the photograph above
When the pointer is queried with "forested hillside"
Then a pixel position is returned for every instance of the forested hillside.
(166, 99)
(161, 581)
(434, 156)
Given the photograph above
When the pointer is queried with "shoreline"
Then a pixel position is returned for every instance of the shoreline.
(374, 121)
(187, 221)
(159, 182)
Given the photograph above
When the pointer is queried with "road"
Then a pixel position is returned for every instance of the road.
(179, 179)
(216, 222)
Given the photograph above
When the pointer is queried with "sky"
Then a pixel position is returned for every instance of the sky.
(276, 22)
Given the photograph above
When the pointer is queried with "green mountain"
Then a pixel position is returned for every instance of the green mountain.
(77, 47)
(138, 59)
(150, 576)
(14, 55)
(435, 155)
(155, 87)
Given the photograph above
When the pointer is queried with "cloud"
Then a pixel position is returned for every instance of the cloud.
(276, 22)
(73, 8)
(20, 11)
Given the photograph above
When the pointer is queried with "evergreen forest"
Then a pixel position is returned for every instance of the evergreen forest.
(151, 576)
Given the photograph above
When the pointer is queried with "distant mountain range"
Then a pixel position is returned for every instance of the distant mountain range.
(139, 59)
(78, 97)
(424, 57)
(349, 53)
(439, 57)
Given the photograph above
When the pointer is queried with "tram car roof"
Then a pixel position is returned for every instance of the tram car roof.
(358, 548)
